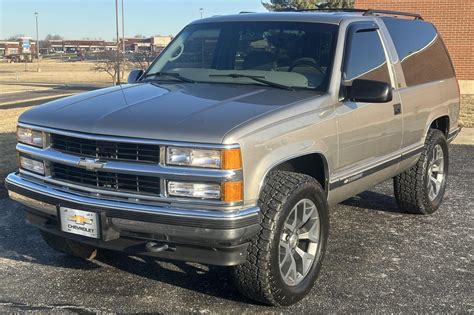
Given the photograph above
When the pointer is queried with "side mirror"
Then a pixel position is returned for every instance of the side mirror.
(368, 91)
(134, 76)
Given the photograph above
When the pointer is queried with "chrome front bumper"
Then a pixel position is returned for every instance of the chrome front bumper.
(224, 233)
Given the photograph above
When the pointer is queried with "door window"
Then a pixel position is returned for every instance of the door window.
(365, 58)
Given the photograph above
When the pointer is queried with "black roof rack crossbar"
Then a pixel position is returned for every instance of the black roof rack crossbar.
(366, 12)
(390, 12)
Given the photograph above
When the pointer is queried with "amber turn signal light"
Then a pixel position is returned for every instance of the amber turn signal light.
(231, 159)
(232, 191)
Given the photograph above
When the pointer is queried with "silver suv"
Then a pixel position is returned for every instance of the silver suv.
(230, 149)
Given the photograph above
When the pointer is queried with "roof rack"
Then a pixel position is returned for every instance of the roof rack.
(321, 9)
(366, 12)
(390, 12)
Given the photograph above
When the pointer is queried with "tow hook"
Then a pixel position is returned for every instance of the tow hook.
(153, 247)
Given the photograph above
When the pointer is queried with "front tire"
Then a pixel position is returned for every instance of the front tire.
(420, 189)
(285, 258)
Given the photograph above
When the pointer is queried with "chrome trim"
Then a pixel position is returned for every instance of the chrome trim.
(129, 139)
(136, 168)
(16, 180)
(128, 197)
(32, 203)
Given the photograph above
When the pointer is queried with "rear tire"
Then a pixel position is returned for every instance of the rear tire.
(69, 247)
(285, 258)
(420, 189)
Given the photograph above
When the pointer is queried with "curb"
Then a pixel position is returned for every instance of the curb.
(466, 136)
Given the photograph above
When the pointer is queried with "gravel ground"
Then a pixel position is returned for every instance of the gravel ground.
(378, 260)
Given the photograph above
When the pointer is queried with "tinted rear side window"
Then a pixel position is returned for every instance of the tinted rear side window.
(423, 56)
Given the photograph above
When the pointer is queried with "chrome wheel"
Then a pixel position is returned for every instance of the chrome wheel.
(435, 173)
(299, 242)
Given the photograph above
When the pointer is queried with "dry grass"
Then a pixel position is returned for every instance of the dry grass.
(53, 71)
(467, 111)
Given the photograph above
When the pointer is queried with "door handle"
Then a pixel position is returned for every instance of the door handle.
(397, 109)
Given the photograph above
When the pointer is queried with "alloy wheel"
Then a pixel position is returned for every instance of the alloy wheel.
(299, 242)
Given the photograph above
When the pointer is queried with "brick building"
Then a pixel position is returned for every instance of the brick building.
(454, 19)
(14, 47)
(154, 44)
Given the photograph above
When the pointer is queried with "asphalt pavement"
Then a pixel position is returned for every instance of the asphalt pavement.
(378, 260)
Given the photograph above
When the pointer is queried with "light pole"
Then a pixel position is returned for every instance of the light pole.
(123, 28)
(37, 43)
(201, 10)
(118, 41)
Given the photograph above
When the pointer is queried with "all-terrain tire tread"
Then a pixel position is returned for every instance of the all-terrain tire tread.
(409, 186)
(253, 278)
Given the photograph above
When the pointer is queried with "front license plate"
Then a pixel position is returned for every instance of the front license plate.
(79, 222)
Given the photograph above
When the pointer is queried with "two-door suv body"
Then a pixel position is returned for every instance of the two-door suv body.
(232, 146)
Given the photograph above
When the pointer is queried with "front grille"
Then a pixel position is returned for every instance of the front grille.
(105, 180)
(106, 150)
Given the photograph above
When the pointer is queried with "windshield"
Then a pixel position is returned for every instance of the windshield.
(278, 54)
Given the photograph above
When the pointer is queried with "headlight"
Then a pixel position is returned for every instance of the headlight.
(207, 158)
(32, 165)
(30, 136)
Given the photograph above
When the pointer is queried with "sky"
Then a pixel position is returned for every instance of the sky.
(77, 19)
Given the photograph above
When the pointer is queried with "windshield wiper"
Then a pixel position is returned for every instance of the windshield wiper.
(174, 75)
(260, 79)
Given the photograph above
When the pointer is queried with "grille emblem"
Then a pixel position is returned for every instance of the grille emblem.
(91, 164)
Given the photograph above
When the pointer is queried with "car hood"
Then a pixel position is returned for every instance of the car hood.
(176, 112)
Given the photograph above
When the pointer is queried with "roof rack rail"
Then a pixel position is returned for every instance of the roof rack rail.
(321, 9)
(366, 12)
(390, 12)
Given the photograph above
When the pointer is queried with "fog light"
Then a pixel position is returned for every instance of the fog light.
(32, 165)
(194, 190)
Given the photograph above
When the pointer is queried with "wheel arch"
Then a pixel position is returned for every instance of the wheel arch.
(313, 164)
(441, 123)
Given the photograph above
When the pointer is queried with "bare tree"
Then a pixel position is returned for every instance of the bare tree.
(52, 37)
(142, 59)
(16, 37)
(107, 62)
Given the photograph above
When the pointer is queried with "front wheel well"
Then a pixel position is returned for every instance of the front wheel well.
(314, 165)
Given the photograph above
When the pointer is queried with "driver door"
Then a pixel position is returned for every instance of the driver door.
(369, 133)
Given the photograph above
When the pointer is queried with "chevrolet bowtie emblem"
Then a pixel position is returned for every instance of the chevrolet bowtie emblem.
(91, 164)
(79, 219)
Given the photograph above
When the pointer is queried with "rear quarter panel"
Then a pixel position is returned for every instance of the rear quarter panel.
(422, 104)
